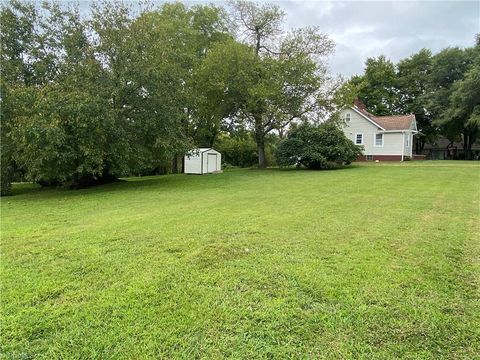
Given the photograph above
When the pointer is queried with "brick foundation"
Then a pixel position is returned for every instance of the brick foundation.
(381, 158)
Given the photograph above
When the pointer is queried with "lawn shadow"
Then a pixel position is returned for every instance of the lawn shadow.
(24, 188)
(160, 182)
(302, 168)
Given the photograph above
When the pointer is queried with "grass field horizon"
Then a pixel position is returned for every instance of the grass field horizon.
(376, 261)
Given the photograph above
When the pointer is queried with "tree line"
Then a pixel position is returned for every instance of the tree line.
(442, 90)
(123, 91)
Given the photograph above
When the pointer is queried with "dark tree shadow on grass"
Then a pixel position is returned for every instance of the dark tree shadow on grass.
(161, 183)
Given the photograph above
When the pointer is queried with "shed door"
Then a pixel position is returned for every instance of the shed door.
(212, 162)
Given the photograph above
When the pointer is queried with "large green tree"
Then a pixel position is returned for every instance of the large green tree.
(412, 82)
(449, 67)
(17, 72)
(463, 113)
(271, 79)
(377, 87)
(88, 100)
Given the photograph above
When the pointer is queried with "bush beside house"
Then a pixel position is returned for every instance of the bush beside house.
(317, 147)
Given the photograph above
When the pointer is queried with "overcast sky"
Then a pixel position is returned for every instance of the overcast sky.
(395, 29)
(363, 29)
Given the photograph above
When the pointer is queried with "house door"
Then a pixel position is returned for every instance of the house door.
(212, 162)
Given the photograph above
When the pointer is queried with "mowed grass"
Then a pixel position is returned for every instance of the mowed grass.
(376, 261)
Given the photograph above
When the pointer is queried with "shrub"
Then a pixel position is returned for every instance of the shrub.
(237, 151)
(317, 147)
(6, 178)
(6, 165)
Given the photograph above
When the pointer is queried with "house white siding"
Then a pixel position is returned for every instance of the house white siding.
(392, 141)
(359, 125)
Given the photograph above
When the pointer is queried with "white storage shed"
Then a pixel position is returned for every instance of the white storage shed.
(203, 161)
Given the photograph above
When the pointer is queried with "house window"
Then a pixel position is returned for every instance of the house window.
(408, 140)
(359, 139)
(369, 157)
(378, 139)
(347, 117)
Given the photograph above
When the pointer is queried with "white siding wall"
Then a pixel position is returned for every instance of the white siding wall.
(218, 165)
(392, 142)
(359, 125)
(219, 162)
(408, 148)
(205, 163)
(193, 164)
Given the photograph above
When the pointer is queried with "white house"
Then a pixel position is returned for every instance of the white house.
(383, 137)
(203, 161)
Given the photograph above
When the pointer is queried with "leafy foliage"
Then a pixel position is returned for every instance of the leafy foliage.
(240, 149)
(377, 87)
(317, 147)
(119, 92)
(237, 150)
(463, 114)
(87, 100)
(450, 68)
(270, 80)
(413, 77)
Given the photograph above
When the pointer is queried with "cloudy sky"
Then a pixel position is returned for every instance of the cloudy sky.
(395, 29)
(363, 29)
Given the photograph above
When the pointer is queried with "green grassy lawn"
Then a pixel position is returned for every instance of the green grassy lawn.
(375, 261)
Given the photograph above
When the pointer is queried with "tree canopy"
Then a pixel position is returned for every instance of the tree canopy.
(92, 98)
(271, 78)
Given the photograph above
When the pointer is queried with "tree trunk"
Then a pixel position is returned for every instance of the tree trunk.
(174, 165)
(262, 159)
(465, 146)
(422, 143)
(260, 140)
(469, 147)
(419, 144)
(257, 45)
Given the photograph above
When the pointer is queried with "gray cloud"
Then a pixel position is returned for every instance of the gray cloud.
(363, 29)
(394, 29)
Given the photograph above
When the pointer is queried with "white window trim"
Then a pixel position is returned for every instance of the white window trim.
(407, 140)
(375, 140)
(367, 157)
(348, 117)
(356, 135)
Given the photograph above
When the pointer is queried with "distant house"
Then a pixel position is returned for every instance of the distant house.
(444, 149)
(385, 138)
